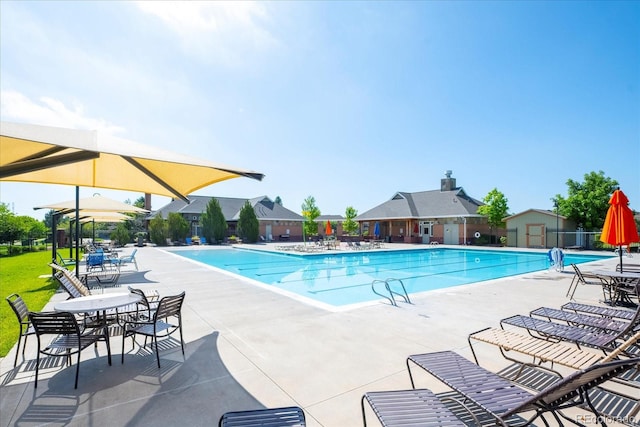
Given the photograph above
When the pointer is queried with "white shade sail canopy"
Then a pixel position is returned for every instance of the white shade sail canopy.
(94, 204)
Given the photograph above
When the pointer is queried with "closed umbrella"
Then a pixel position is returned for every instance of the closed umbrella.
(376, 230)
(619, 227)
(328, 228)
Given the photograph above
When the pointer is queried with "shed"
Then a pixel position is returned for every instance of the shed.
(538, 228)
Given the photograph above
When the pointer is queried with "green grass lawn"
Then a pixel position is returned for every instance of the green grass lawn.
(19, 274)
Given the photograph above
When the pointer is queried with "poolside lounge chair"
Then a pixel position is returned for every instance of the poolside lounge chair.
(596, 338)
(22, 313)
(577, 319)
(586, 279)
(503, 400)
(418, 407)
(291, 416)
(618, 313)
(543, 351)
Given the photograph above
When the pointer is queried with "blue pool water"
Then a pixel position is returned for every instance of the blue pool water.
(345, 279)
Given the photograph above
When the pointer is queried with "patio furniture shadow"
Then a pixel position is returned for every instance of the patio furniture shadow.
(136, 393)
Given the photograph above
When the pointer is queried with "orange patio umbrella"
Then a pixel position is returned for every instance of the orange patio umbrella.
(619, 227)
(328, 228)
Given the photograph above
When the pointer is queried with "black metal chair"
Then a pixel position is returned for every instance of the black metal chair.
(22, 313)
(157, 326)
(148, 303)
(68, 337)
(291, 416)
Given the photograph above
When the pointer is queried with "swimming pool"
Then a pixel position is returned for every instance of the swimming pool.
(345, 279)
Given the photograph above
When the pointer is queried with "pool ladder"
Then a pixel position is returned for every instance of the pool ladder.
(392, 293)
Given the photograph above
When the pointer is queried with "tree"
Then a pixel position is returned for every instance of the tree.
(248, 225)
(587, 202)
(214, 225)
(310, 212)
(278, 200)
(121, 235)
(495, 209)
(178, 226)
(139, 203)
(9, 226)
(158, 230)
(349, 225)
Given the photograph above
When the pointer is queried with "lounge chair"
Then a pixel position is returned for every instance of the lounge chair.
(542, 351)
(596, 338)
(617, 313)
(291, 416)
(504, 401)
(69, 282)
(418, 407)
(586, 279)
(577, 319)
(22, 313)
(203, 240)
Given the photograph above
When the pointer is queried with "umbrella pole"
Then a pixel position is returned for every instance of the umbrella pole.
(77, 231)
(620, 252)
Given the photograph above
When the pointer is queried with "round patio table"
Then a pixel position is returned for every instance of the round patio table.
(97, 303)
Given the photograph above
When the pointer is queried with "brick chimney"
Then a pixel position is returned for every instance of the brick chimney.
(448, 183)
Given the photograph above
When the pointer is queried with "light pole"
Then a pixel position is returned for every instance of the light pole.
(555, 205)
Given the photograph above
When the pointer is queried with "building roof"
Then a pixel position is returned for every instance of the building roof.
(425, 204)
(539, 211)
(264, 208)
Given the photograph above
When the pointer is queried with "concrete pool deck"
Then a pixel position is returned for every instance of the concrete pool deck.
(248, 348)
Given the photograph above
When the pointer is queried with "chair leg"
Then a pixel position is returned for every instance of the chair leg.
(181, 340)
(155, 341)
(15, 361)
(35, 383)
(78, 368)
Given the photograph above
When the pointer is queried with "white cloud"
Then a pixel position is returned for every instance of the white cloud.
(15, 106)
(216, 31)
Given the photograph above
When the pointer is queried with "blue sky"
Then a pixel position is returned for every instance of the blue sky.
(348, 102)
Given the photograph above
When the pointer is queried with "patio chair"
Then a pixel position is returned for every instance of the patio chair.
(95, 260)
(148, 303)
(504, 401)
(68, 337)
(291, 416)
(586, 279)
(157, 326)
(125, 260)
(22, 313)
(65, 262)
